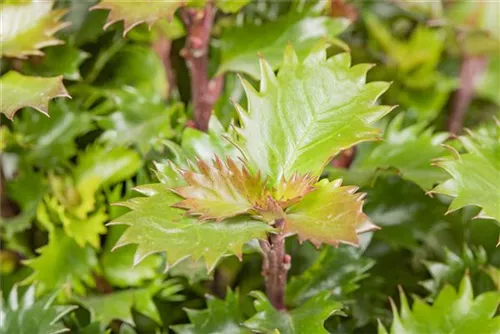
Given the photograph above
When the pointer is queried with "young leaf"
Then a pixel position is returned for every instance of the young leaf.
(398, 151)
(135, 12)
(306, 114)
(336, 270)
(220, 190)
(221, 316)
(452, 312)
(62, 262)
(119, 305)
(156, 226)
(329, 214)
(474, 175)
(240, 45)
(29, 26)
(27, 315)
(19, 91)
(307, 318)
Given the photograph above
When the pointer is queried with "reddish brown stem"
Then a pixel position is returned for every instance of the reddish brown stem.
(345, 158)
(163, 47)
(204, 91)
(276, 264)
(470, 69)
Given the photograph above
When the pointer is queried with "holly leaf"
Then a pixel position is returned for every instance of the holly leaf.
(307, 122)
(398, 151)
(118, 305)
(137, 120)
(452, 312)
(307, 318)
(105, 166)
(336, 270)
(27, 315)
(62, 60)
(118, 266)
(19, 91)
(240, 45)
(136, 12)
(52, 140)
(219, 190)
(231, 6)
(29, 26)
(329, 214)
(221, 316)
(62, 262)
(156, 226)
(474, 174)
(471, 261)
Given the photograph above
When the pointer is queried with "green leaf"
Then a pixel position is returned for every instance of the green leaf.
(29, 26)
(105, 166)
(156, 226)
(118, 264)
(307, 318)
(398, 151)
(221, 316)
(138, 121)
(231, 6)
(422, 50)
(337, 270)
(240, 45)
(474, 175)
(50, 141)
(119, 305)
(137, 11)
(27, 315)
(471, 261)
(301, 121)
(489, 81)
(62, 60)
(62, 262)
(19, 91)
(452, 312)
(329, 214)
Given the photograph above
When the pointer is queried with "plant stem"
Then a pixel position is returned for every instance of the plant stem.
(163, 47)
(276, 264)
(204, 91)
(470, 69)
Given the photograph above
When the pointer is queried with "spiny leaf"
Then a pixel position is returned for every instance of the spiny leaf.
(329, 214)
(450, 271)
(118, 265)
(156, 226)
(337, 270)
(19, 91)
(119, 305)
(221, 316)
(306, 114)
(474, 175)
(28, 27)
(452, 312)
(240, 45)
(307, 318)
(398, 151)
(219, 190)
(62, 262)
(27, 315)
(134, 12)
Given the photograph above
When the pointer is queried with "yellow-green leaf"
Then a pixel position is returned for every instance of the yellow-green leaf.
(134, 12)
(306, 114)
(19, 91)
(28, 26)
(329, 214)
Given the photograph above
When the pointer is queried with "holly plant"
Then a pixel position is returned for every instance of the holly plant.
(249, 166)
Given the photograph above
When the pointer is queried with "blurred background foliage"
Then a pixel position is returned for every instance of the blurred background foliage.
(131, 106)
